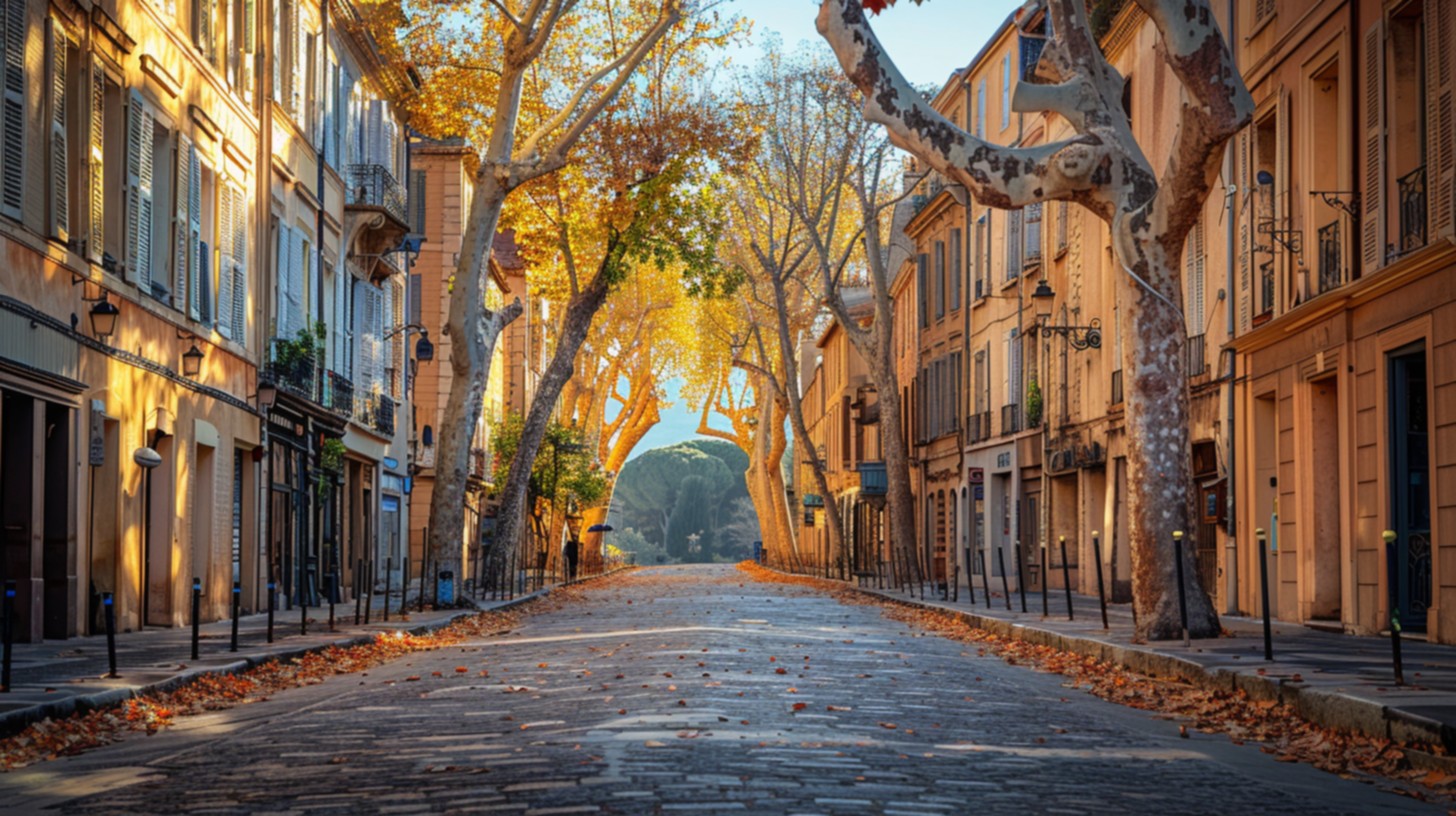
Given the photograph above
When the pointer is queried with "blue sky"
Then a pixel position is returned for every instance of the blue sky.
(928, 42)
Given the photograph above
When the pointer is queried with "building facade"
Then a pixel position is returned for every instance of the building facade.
(176, 207)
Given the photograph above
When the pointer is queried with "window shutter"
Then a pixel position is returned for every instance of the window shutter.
(920, 288)
(60, 220)
(96, 192)
(348, 124)
(195, 297)
(1193, 276)
(225, 249)
(939, 279)
(360, 327)
(299, 48)
(331, 103)
(1014, 364)
(338, 336)
(139, 124)
(238, 276)
(417, 201)
(280, 16)
(374, 132)
(297, 319)
(1013, 245)
(386, 349)
(202, 27)
(12, 110)
(1373, 224)
(376, 341)
(1440, 22)
(181, 233)
(416, 307)
(280, 272)
(957, 269)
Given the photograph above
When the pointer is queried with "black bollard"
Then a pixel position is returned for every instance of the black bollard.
(237, 612)
(1392, 562)
(424, 567)
(1182, 592)
(369, 589)
(953, 587)
(272, 602)
(985, 579)
(1045, 607)
(1020, 579)
(388, 570)
(1005, 587)
(1264, 588)
(1101, 588)
(9, 635)
(358, 589)
(404, 572)
(970, 578)
(303, 610)
(1066, 577)
(434, 585)
(333, 595)
(196, 614)
(108, 606)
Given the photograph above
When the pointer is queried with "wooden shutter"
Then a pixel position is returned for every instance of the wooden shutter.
(60, 197)
(1440, 22)
(298, 45)
(96, 186)
(957, 268)
(297, 319)
(920, 264)
(1013, 244)
(249, 49)
(12, 109)
(139, 125)
(417, 201)
(1373, 224)
(386, 349)
(280, 273)
(1193, 275)
(348, 123)
(238, 274)
(939, 279)
(329, 132)
(181, 243)
(338, 334)
(194, 232)
(225, 216)
(203, 12)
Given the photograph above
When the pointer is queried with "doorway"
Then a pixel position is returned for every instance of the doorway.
(157, 539)
(1324, 499)
(1410, 499)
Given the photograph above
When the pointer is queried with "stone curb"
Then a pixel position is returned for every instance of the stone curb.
(13, 722)
(1325, 707)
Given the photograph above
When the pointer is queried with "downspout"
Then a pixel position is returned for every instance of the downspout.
(1231, 548)
(263, 97)
(326, 559)
(963, 511)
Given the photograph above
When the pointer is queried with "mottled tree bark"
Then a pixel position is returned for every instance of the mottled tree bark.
(1150, 214)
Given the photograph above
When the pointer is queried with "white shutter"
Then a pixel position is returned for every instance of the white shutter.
(386, 349)
(181, 257)
(1013, 245)
(360, 363)
(12, 109)
(1373, 224)
(1193, 275)
(281, 281)
(366, 311)
(225, 216)
(338, 331)
(373, 132)
(376, 343)
(280, 17)
(60, 215)
(1013, 367)
(195, 285)
(329, 132)
(139, 126)
(96, 192)
(238, 275)
(348, 123)
(297, 320)
(298, 41)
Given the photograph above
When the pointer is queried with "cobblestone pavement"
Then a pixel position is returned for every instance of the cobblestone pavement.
(687, 690)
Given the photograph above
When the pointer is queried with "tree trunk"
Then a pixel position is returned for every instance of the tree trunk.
(579, 313)
(1161, 499)
(473, 331)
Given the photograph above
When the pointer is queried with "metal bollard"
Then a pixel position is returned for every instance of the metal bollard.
(333, 595)
(368, 589)
(9, 635)
(196, 613)
(303, 610)
(404, 573)
(1264, 588)
(970, 578)
(1101, 587)
(1066, 577)
(272, 600)
(1182, 591)
(237, 612)
(1020, 579)
(108, 606)
(358, 589)
(424, 568)
(1392, 562)
(1045, 607)
(953, 588)
(1005, 587)
(388, 570)
(985, 579)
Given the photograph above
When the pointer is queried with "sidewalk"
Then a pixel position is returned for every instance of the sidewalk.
(1335, 680)
(55, 678)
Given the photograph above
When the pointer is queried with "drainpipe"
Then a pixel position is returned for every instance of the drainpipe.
(1231, 548)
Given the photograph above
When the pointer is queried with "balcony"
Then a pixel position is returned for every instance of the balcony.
(1116, 389)
(979, 426)
(1331, 266)
(1266, 289)
(1197, 355)
(1412, 187)
(372, 185)
(293, 367)
(1010, 419)
(376, 412)
(338, 394)
(874, 480)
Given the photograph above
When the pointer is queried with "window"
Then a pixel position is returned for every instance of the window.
(921, 262)
(291, 263)
(12, 107)
(1013, 367)
(939, 280)
(982, 257)
(204, 28)
(417, 201)
(203, 288)
(66, 136)
(107, 243)
(187, 244)
(981, 109)
(957, 270)
(1193, 274)
(1032, 227)
(232, 265)
(242, 39)
(1063, 213)
(1013, 245)
(141, 144)
(1006, 92)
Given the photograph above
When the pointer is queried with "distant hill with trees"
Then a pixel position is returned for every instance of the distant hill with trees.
(694, 487)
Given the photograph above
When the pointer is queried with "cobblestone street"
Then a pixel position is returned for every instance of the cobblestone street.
(688, 690)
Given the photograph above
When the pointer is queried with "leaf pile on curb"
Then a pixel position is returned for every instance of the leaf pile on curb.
(1274, 726)
(52, 738)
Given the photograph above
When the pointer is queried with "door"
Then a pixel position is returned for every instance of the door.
(1410, 500)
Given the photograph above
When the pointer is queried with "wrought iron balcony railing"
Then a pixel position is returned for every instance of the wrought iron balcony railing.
(293, 366)
(1010, 419)
(1197, 355)
(338, 393)
(372, 185)
(384, 415)
(1331, 264)
(1412, 188)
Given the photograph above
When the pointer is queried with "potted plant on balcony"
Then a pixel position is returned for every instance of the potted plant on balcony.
(1033, 404)
(294, 359)
(330, 465)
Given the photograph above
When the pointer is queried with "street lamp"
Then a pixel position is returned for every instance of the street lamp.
(192, 362)
(103, 318)
(1080, 338)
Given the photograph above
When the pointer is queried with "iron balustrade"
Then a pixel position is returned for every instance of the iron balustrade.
(1331, 266)
(293, 368)
(338, 395)
(384, 415)
(1010, 419)
(1197, 355)
(372, 185)
(1412, 188)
